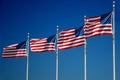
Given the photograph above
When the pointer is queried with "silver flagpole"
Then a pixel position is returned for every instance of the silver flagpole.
(114, 53)
(57, 54)
(27, 66)
(85, 69)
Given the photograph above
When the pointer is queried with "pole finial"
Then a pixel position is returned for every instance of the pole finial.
(113, 4)
(28, 34)
(57, 27)
(85, 18)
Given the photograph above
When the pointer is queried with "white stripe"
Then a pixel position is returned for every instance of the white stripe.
(65, 43)
(98, 33)
(41, 50)
(12, 51)
(94, 30)
(32, 45)
(97, 26)
(67, 31)
(20, 55)
(40, 46)
(80, 40)
(10, 46)
(41, 41)
(73, 45)
(67, 40)
(38, 39)
(67, 34)
(91, 23)
(81, 43)
(67, 37)
(95, 18)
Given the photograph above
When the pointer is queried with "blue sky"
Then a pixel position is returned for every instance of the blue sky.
(40, 18)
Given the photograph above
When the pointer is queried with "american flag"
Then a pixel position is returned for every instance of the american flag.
(43, 44)
(71, 38)
(98, 25)
(15, 50)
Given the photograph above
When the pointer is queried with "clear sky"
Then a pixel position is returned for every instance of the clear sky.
(40, 18)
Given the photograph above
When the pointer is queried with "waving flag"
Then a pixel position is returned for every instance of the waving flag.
(98, 25)
(43, 44)
(71, 38)
(15, 50)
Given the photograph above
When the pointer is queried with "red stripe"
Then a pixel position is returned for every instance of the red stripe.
(10, 46)
(67, 40)
(101, 34)
(71, 47)
(87, 18)
(73, 40)
(87, 25)
(67, 31)
(14, 56)
(66, 35)
(70, 43)
(78, 41)
(41, 45)
(40, 39)
(40, 50)
(97, 20)
(43, 50)
(104, 31)
(38, 42)
(91, 28)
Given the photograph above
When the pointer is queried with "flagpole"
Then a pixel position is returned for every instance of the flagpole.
(85, 61)
(85, 69)
(57, 54)
(114, 53)
(27, 66)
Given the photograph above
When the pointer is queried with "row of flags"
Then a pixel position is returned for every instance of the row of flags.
(68, 38)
